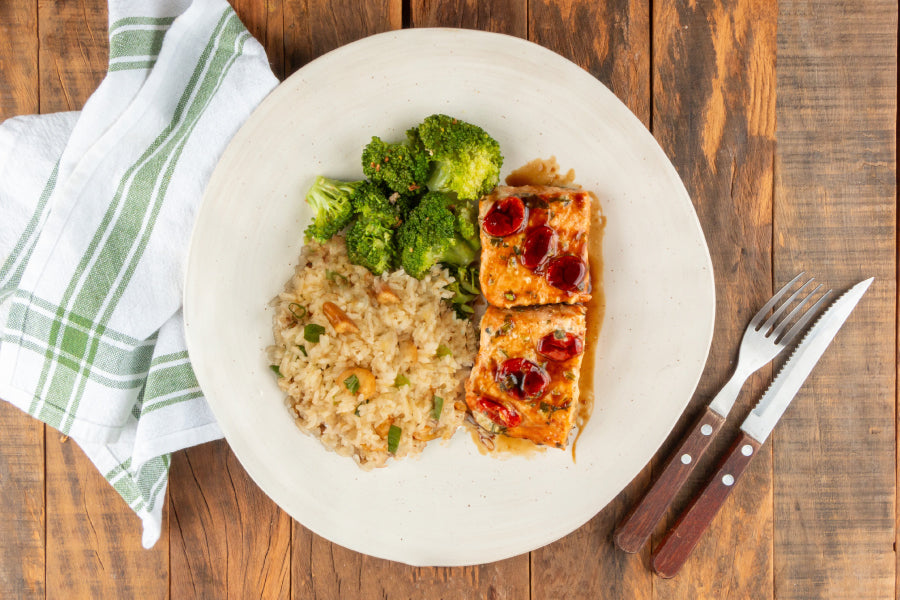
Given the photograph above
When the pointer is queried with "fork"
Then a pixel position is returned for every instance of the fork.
(762, 342)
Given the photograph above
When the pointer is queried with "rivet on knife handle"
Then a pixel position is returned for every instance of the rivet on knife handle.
(680, 541)
(636, 528)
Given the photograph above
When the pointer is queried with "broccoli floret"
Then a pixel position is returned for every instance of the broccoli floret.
(433, 233)
(465, 159)
(372, 205)
(403, 168)
(371, 244)
(332, 201)
(466, 289)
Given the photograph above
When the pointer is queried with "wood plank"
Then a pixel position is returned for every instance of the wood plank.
(318, 26)
(502, 16)
(74, 52)
(22, 443)
(835, 214)
(227, 538)
(612, 42)
(93, 545)
(714, 115)
(93, 539)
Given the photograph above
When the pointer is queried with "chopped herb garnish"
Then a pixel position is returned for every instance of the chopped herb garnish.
(545, 407)
(303, 349)
(335, 276)
(442, 351)
(352, 384)
(400, 380)
(507, 326)
(495, 241)
(438, 407)
(298, 310)
(503, 352)
(569, 375)
(559, 334)
(394, 438)
(276, 370)
(312, 332)
(509, 296)
(356, 412)
(517, 251)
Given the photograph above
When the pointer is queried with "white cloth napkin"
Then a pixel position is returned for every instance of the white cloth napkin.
(96, 210)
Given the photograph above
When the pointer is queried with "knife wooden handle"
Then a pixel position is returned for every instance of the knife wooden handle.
(681, 539)
(635, 529)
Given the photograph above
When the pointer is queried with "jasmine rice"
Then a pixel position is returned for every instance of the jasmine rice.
(372, 366)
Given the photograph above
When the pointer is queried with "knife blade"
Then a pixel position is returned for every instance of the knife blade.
(681, 539)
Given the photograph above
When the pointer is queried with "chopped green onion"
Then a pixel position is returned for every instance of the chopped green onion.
(394, 438)
(569, 375)
(303, 349)
(352, 384)
(559, 334)
(509, 296)
(334, 275)
(312, 332)
(400, 380)
(276, 370)
(300, 309)
(443, 351)
(356, 412)
(438, 407)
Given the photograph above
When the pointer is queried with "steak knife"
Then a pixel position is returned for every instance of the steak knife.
(681, 539)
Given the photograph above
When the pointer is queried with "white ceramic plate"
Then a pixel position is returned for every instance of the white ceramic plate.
(451, 506)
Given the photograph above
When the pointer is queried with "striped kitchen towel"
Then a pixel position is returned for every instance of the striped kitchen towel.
(97, 209)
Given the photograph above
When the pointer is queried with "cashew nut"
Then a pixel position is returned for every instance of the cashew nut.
(339, 319)
(384, 293)
(364, 376)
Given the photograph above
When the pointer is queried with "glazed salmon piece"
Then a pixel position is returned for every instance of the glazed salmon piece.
(534, 246)
(525, 380)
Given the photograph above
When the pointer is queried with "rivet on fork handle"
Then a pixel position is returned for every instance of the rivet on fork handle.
(634, 531)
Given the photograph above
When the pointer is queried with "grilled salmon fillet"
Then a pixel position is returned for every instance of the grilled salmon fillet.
(525, 380)
(534, 246)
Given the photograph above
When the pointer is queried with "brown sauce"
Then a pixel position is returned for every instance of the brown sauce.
(541, 171)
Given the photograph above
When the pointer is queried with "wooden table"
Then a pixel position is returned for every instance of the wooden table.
(789, 169)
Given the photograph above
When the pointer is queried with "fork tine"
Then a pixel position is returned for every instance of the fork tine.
(784, 306)
(758, 317)
(787, 320)
(799, 326)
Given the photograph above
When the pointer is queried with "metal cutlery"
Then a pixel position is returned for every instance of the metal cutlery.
(763, 339)
(681, 539)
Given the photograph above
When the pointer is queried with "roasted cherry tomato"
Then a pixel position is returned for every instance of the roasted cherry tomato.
(522, 379)
(505, 217)
(560, 346)
(499, 413)
(566, 272)
(540, 245)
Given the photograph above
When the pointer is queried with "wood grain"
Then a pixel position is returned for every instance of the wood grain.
(714, 115)
(228, 539)
(611, 40)
(503, 16)
(22, 441)
(265, 20)
(835, 211)
(314, 27)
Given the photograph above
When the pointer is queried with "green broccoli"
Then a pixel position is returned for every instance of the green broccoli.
(332, 201)
(371, 244)
(466, 288)
(437, 231)
(402, 168)
(371, 205)
(465, 159)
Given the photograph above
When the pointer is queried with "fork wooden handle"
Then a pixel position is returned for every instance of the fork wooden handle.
(681, 539)
(635, 529)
